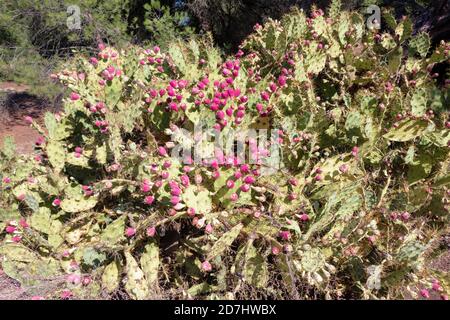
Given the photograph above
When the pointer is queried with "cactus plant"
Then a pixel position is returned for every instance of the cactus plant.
(357, 170)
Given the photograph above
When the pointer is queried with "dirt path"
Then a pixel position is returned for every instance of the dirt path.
(15, 104)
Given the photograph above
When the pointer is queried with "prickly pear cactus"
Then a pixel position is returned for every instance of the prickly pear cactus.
(78, 205)
(312, 260)
(200, 201)
(345, 194)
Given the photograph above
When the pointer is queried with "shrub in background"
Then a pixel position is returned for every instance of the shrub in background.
(35, 38)
(165, 24)
(231, 21)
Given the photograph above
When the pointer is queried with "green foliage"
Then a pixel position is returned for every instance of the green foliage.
(335, 9)
(224, 242)
(198, 200)
(35, 38)
(136, 285)
(252, 265)
(150, 263)
(407, 130)
(111, 276)
(166, 25)
(421, 44)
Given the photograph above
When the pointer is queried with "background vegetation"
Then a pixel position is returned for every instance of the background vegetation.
(34, 38)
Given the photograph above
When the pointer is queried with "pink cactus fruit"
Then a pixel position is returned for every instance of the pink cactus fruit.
(129, 232)
(151, 231)
(206, 266)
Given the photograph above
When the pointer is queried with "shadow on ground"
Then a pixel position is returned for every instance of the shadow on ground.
(15, 105)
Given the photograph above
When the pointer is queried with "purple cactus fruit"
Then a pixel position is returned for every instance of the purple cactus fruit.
(74, 96)
(292, 196)
(265, 96)
(343, 168)
(220, 115)
(162, 151)
(304, 217)
(282, 80)
(209, 228)
(149, 200)
(216, 175)
(10, 229)
(425, 293)
(206, 266)
(129, 232)
(175, 191)
(191, 212)
(285, 235)
(230, 184)
(249, 179)
(174, 200)
(185, 180)
(151, 231)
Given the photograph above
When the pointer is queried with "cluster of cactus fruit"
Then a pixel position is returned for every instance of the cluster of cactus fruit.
(356, 209)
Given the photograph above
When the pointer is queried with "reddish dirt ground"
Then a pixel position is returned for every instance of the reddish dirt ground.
(15, 105)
